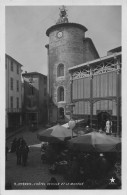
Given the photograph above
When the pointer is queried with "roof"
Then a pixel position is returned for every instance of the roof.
(95, 61)
(33, 73)
(13, 59)
(54, 27)
(89, 40)
(117, 49)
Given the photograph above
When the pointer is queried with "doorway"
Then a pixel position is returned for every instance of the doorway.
(61, 113)
(32, 119)
(102, 117)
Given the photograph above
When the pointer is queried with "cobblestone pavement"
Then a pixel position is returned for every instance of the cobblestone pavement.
(35, 175)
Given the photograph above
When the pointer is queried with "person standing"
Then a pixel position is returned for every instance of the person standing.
(102, 166)
(25, 150)
(19, 151)
(108, 127)
(13, 145)
(75, 169)
(111, 126)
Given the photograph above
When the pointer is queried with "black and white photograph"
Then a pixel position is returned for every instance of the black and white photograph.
(63, 97)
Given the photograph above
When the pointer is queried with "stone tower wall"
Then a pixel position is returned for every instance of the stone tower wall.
(68, 50)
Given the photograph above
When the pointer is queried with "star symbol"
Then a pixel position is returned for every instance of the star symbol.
(112, 180)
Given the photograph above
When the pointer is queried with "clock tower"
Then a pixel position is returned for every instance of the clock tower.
(67, 47)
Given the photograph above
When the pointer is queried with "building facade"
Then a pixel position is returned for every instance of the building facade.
(35, 98)
(96, 90)
(13, 93)
(67, 47)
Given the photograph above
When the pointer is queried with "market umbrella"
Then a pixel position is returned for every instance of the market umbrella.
(95, 142)
(55, 134)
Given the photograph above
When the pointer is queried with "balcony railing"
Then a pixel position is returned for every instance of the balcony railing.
(14, 110)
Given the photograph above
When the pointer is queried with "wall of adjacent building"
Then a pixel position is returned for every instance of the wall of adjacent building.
(14, 93)
(43, 99)
(31, 101)
(35, 103)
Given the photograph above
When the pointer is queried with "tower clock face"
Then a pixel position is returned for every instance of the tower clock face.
(59, 34)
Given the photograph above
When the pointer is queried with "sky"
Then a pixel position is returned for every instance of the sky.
(25, 31)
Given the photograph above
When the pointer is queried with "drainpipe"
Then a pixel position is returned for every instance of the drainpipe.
(118, 98)
(91, 98)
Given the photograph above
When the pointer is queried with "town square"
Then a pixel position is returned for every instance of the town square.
(63, 97)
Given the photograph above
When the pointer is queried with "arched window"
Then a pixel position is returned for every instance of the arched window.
(60, 70)
(60, 94)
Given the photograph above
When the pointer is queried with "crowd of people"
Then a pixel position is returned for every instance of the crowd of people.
(91, 165)
(79, 166)
(20, 147)
(75, 166)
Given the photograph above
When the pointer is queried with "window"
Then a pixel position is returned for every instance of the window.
(29, 102)
(60, 94)
(31, 90)
(45, 103)
(11, 101)
(45, 91)
(45, 81)
(60, 70)
(17, 69)
(11, 65)
(17, 85)
(31, 87)
(17, 102)
(11, 84)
